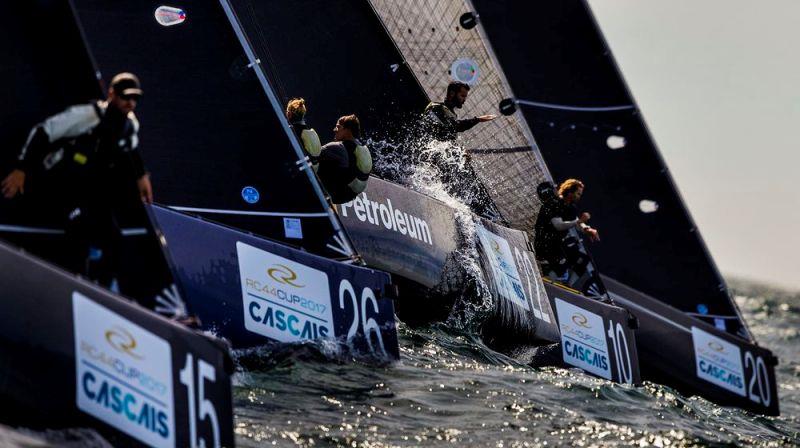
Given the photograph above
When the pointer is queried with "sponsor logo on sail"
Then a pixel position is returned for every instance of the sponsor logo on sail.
(583, 343)
(383, 213)
(124, 373)
(250, 195)
(283, 300)
(718, 361)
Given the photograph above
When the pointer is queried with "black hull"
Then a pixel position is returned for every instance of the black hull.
(252, 291)
(597, 337)
(697, 358)
(55, 366)
(431, 279)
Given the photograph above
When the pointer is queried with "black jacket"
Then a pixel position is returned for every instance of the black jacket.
(443, 123)
(344, 168)
(548, 239)
(84, 135)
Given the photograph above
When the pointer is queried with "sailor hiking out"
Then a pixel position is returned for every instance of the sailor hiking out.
(555, 249)
(89, 156)
(307, 136)
(345, 163)
(440, 121)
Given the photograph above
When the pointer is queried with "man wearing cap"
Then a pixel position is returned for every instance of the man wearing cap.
(91, 152)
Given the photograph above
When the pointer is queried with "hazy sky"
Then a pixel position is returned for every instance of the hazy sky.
(718, 82)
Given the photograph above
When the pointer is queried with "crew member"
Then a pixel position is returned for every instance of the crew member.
(556, 217)
(308, 138)
(89, 153)
(345, 164)
(458, 176)
(441, 119)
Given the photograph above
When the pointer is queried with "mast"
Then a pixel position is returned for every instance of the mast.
(341, 237)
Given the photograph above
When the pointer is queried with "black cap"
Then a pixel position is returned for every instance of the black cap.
(126, 84)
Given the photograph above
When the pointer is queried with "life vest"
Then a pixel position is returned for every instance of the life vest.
(344, 171)
(73, 139)
(309, 141)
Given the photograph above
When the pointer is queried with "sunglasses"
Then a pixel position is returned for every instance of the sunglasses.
(131, 97)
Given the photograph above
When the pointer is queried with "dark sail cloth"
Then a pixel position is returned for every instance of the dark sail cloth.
(344, 168)
(556, 247)
(87, 157)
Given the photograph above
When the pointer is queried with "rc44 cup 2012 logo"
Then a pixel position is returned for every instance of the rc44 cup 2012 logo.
(718, 361)
(583, 341)
(124, 374)
(283, 300)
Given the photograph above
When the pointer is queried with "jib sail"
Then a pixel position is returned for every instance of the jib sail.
(442, 43)
(212, 137)
(588, 126)
(340, 60)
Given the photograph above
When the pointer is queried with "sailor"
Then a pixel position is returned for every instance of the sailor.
(557, 216)
(308, 138)
(345, 163)
(441, 120)
(89, 154)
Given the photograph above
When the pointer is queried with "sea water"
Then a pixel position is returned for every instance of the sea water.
(451, 390)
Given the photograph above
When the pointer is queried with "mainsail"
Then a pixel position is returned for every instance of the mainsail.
(339, 59)
(588, 126)
(437, 46)
(214, 144)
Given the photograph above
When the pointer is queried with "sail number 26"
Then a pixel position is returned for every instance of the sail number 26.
(369, 325)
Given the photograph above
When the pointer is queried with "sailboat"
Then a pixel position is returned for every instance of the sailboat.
(239, 166)
(653, 260)
(75, 354)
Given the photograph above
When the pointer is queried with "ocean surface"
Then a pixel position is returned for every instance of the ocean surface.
(449, 389)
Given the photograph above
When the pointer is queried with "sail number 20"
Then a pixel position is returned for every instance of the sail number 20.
(758, 389)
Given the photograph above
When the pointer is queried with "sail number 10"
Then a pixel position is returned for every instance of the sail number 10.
(621, 352)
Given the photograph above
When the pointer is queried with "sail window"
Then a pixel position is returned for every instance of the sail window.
(616, 142)
(465, 70)
(648, 206)
(169, 16)
(250, 195)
